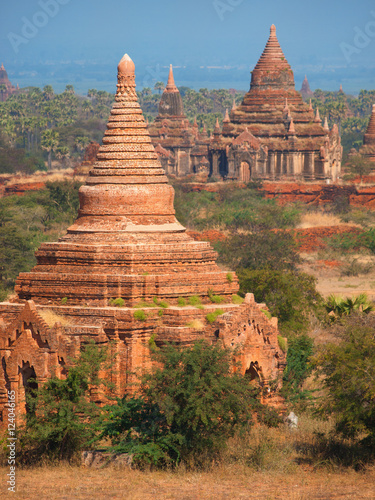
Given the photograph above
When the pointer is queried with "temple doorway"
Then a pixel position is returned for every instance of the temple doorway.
(245, 172)
(253, 371)
(27, 386)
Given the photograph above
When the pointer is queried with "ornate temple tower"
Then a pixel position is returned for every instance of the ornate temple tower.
(126, 244)
(181, 149)
(305, 91)
(273, 134)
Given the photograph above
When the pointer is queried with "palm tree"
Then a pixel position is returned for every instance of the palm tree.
(49, 142)
(159, 86)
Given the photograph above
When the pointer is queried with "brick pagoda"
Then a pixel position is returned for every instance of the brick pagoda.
(368, 148)
(126, 244)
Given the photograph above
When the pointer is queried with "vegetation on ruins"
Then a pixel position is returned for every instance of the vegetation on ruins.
(187, 409)
(61, 419)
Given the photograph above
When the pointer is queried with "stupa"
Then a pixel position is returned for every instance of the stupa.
(368, 148)
(180, 147)
(305, 91)
(123, 273)
(258, 142)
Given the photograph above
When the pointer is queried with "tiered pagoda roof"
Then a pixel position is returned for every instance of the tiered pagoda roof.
(272, 102)
(368, 148)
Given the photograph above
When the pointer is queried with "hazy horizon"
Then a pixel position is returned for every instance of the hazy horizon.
(211, 43)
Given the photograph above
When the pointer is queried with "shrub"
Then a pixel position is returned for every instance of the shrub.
(355, 268)
(181, 301)
(119, 302)
(300, 350)
(64, 300)
(140, 315)
(187, 409)
(347, 371)
(290, 296)
(236, 299)
(211, 317)
(216, 299)
(61, 420)
(194, 300)
(282, 342)
(229, 277)
(196, 324)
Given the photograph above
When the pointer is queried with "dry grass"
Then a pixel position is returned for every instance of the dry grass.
(51, 318)
(230, 482)
(319, 219)
(196, 324)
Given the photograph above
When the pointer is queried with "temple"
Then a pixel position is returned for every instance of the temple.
(368, 148)
(305, 91)
(6, 88)
(273, 134)
(127, 273)
(181, 148)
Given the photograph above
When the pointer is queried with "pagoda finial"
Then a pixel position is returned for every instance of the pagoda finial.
(292, 130)
(310, 106)
(317, 118)
(171, 86)
(217, 127)
(286, 109)
(2, 66)
(273, 30)
(126, 77)
(234, 107)
(325, 126)
(195, 124)
(226, 117)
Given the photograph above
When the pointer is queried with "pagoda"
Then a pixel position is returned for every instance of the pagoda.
(273, 134)
(368, 148)
(6, 88)
(126, 272)
(180, 147)
(305, 91)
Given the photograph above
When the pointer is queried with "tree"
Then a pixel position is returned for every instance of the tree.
(347, 372)
(290, 296)
(159, 86)
(50, 142)
(61, 419)
(358, 166)
(340, 306)
(190, 404)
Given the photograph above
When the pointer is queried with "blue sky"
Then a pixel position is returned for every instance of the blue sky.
(72, 35)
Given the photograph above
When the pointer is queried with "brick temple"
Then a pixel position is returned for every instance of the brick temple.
(181, 148)
(272, 135)
(126, 244)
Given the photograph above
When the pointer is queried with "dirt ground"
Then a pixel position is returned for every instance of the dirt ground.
(229, 484)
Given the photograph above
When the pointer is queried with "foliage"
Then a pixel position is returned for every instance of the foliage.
(188, 408)
(181, 301)
(347, 371)
(262, 250)
(118, 302)
(355, 268)
(211, 317)
(61, 419)
(300, 350)
(289, 295)
(358, 166)
(195, 300)
(140, 315)
(236, 299)
(340, 306)
(216, 299)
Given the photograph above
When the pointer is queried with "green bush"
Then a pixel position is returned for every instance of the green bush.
(64, 300)
(236, 299)
(229, 277)
(186, 410)
(194, 300)
(300, 350)
(181, 301)
(216, 299)
(140, 315)
(290, 296)
(118, 302)
(211, 317)
(61, 420)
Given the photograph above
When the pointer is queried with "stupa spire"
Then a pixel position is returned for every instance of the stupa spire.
(317, 118)
(325, 126)
(292, 130)
(2, 66)
(234, 107)
(171, 86)
(272, 69)
(226, 117)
